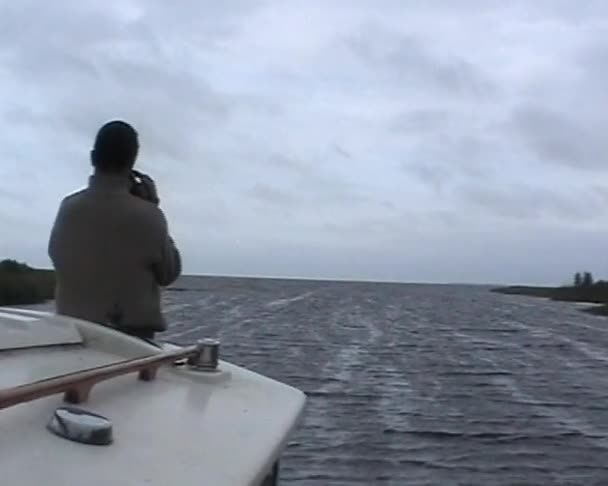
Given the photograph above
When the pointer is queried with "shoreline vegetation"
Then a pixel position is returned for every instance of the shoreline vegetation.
(583, 289)
(21, 284)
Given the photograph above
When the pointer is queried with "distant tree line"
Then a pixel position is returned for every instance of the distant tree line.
(584, 279)
(21, 284)
(584, 288)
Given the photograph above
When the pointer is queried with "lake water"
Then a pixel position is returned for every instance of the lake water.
(417, 384)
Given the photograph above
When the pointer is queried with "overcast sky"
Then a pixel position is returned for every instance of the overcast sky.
(435, 140)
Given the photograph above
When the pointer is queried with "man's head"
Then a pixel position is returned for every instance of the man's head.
(116, 147)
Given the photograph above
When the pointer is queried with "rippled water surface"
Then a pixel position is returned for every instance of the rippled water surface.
(417, 385)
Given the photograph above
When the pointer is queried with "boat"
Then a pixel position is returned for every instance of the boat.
(82, 403)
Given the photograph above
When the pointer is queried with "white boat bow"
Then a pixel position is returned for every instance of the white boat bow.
(180, 423)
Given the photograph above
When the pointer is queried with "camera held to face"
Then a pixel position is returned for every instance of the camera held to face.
(143, 186)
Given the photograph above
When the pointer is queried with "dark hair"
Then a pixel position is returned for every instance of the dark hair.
(116, 147)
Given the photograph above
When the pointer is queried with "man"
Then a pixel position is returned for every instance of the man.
(110, 243)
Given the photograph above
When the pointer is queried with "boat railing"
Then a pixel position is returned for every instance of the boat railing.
(77, 385)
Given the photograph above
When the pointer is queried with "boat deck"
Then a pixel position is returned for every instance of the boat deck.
(186, 427)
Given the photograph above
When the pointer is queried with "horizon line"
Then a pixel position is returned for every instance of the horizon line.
(350, 279)
(337, 279)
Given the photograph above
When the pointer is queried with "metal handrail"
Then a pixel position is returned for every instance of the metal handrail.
(77, 385)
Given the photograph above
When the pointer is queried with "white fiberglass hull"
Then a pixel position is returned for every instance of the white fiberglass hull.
(223, 428)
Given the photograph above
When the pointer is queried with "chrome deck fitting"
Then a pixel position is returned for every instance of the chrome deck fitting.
(207, 355)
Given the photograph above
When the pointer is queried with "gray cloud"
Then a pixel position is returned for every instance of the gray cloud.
(126, 70)
(273, 196)
(412, 64)
(341, 151)
(443, 161)
(526, 202)
(345, 139)
(422, 121)
(288, 163)
(560, 138)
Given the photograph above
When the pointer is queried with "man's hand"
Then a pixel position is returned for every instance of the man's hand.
(144, 187)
